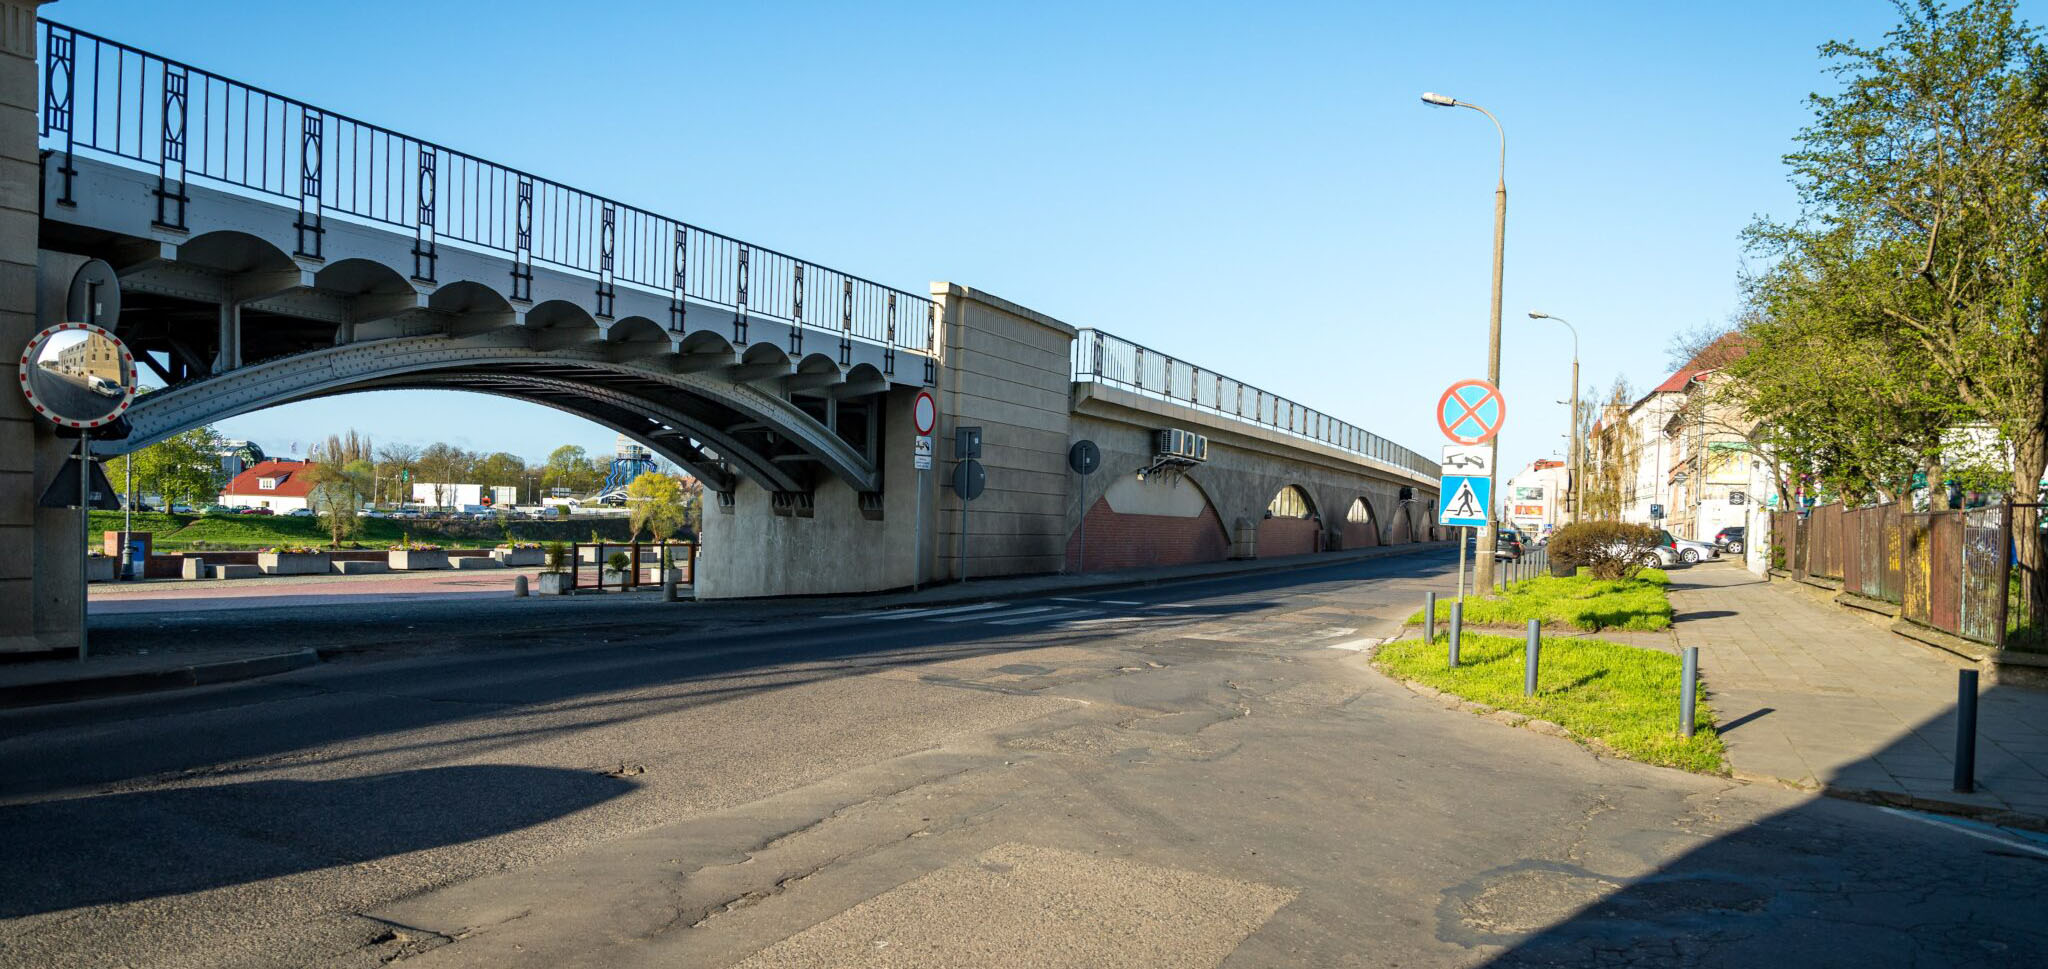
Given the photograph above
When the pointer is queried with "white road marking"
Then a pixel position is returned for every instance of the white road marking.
(1055, 617)
(1959, 829)
(1356, 645)
(916, 613)
(998, 615)
(1107, 621)
(1176, 605)
(1118, 602)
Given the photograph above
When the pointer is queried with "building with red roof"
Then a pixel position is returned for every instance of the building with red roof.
(280, 486)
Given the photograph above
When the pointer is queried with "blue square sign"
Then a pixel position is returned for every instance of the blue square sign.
(1463, 500)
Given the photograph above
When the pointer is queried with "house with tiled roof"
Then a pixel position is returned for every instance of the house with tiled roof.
(1646, 436)
(280, 486)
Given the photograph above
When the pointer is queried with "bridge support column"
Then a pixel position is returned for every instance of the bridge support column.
(1008, 370)
(39, 548)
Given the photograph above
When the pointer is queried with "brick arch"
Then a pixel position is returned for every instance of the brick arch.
(1123, 540)
(1363, 534)
(1291, 536)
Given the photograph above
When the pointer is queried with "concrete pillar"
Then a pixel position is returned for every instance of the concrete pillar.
(1008, 370)
(35, 613)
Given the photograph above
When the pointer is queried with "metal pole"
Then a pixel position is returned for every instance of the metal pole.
(1529, 657)
(1966, 731)
(1082, 528)
(1571, 471)
(1464, 535)
(84, 530)
(963, 539)
(128, 516)
(1500, 228)
(1429, 617)
(1688, 691)
(1457, 630)
(917, 574)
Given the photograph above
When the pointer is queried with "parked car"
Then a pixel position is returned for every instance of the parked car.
(1661, 557)
(255, 511)
(216, 510)
(1730, 538)
(299, 513)
(1507, 546)
(1687, 550)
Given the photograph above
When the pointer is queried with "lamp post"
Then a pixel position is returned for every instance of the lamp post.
(1484, 566)
(1571, 460)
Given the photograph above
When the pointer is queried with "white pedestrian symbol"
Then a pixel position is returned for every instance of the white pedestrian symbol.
(1464, 503)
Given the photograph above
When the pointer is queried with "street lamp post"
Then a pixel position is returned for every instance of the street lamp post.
(1571, 461)
(1484, 577)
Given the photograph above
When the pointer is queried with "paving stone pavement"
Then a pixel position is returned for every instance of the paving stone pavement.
(1807, 693)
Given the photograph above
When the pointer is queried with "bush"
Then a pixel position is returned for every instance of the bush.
(619, 561)
(558, 556)
(1610, 550)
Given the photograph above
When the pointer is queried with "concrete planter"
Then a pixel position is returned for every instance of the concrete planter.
(615, 578)
(101, 569)
(518, 556)
(292, 563)
(414, 561)
(553, 584)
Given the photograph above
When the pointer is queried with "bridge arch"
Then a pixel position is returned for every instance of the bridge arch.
(1292, 524)
(1361, 525)
(1158, 520)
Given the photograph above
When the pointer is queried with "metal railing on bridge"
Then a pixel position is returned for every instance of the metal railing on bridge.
(186, 124)
(1110, 359)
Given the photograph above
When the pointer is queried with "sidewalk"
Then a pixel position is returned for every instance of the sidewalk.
(1809, 695)
(184, 664)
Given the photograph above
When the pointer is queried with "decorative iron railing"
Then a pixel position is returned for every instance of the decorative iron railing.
(1111, 359)
(189, 125)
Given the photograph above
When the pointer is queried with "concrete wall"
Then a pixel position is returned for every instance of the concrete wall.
(1005, 369)
(34, 614)
(752, 551)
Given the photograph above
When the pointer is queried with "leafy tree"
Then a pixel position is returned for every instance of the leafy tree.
(569, 466)
(182, 469)
(500, 468)
(396, 463)
(1924, 221)
(442, 465)
(657, 503)
(337, 491)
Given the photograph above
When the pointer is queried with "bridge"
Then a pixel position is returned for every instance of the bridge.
(271, 251)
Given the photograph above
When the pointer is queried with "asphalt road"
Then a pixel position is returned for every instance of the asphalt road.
(1190, 775)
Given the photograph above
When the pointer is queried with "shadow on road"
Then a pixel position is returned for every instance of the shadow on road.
(131, 846)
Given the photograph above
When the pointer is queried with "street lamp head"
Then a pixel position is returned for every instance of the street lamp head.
(1441, 101)
(1538, 316)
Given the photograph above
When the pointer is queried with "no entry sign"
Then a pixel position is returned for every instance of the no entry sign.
(1471, 411)
(925, 412)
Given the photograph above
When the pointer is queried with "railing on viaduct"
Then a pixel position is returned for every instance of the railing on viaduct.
(1112, 359)
(190, 125)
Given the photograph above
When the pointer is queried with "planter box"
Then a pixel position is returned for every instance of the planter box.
(417, 561)
(512, 557)
(554, 584)
(614, 579)
(292, 563)
(101, 569)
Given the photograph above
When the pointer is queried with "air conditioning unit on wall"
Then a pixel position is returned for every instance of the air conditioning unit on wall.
(1173, 443)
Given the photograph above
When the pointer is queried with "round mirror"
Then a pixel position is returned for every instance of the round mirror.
(78, 375)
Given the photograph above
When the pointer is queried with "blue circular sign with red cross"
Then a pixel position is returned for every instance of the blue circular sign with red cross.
(1471, 412)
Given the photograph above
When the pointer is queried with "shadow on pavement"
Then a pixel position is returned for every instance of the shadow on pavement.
(131, 846)
(1777, 892)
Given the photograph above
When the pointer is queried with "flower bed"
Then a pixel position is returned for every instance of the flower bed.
(519, 553)
(292, 560)
(417, 556)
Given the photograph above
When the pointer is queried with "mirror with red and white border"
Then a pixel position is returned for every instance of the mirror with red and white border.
(78, 375)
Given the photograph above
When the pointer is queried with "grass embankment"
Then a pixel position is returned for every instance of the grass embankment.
(178, 533)
(1580, 602)
(1621, 696)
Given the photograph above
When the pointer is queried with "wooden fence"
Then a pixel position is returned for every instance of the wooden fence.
(1947, 570)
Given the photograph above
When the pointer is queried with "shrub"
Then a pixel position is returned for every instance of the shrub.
(1611, 550)
(618, 561)
(558, 555)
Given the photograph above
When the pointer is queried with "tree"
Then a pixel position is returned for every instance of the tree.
(571, 468)
(657, 503)
(500, 468)
(182, 469)
(443, 465)
(337, 491)
(1924, 218)
(397, 463)
(1613, 453)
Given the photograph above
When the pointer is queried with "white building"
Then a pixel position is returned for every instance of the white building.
(1533, 500)
(462, 495)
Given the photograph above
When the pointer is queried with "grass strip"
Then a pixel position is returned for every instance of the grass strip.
(1622, 696)
(1580, 602)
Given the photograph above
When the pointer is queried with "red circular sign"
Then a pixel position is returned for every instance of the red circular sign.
(1471, 411)
(925, 413)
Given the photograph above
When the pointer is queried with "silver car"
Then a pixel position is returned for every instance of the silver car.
(1689, 551)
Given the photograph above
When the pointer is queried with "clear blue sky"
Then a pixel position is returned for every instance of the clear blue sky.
(1252, 187)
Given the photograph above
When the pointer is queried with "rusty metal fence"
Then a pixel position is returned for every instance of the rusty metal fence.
(1948, 570)
(2025, 626)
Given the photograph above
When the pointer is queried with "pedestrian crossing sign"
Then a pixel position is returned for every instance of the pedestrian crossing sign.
(1464, 500)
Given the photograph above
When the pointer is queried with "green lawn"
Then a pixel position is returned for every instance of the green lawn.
(1580, 602)
(178, 533)
(1622, 696)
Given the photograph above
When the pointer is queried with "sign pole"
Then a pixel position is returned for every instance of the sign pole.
(1464, 536)
(84, 530)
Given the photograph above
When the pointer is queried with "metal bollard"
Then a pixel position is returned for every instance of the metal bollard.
(668, 584)
(1688, 691)
(1966, 731)
(1457, 630)
(519, 586)
(1529, 657)
(1429, 617)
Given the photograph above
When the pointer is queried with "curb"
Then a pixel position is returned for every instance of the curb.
(2003, 817)
(122, 684)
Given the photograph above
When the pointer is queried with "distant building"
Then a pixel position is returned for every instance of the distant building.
(93, 356)
(280, 486)
(1534, 500)
(462, 495)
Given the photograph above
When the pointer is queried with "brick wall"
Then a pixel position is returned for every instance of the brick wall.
(1289, 536)
(1360, 535)
(1119, 541)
